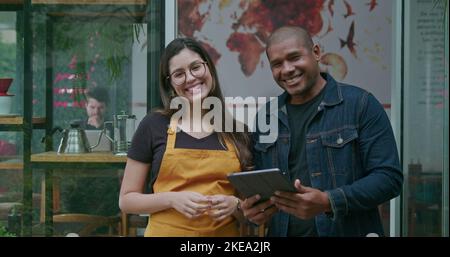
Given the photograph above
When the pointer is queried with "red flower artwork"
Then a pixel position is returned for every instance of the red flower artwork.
(261, 17)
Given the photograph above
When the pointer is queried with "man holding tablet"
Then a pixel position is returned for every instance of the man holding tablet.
(335, 143)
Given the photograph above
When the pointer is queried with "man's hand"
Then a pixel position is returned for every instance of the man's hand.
(95, 121)
(305, 204)
(260, 213)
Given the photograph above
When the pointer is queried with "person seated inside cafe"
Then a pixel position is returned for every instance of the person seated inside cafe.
(93, 191)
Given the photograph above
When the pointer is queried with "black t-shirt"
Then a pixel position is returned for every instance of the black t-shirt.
(299, 116)
(83, 124)
(150, 140)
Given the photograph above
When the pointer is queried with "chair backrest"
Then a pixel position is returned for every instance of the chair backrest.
(91, 223)
(131, 222)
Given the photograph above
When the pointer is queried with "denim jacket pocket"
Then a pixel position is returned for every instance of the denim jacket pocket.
(339, 138)
(339, 148)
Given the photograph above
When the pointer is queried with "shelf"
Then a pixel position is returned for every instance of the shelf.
(94, 157)
(11, 166)
(11, 5)
(11, 163)
(18, 120)
(77, 9)
(11, 2)
(96, 14)
(97, 2)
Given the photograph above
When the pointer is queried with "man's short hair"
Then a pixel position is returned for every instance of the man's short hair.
(285, 32)
(101, 94)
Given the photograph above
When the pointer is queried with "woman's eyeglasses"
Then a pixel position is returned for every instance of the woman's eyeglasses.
(197, 69)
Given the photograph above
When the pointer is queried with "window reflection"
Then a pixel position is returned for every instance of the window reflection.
(424, 123)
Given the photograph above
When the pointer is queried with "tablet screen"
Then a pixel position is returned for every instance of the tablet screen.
(262, 182)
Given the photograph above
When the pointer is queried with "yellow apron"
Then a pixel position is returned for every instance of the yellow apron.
(198, 170)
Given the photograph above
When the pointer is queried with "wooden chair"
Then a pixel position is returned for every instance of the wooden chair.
(131, 222)
(90, 222)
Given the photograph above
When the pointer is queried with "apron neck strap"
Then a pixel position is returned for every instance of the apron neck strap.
(172, 133)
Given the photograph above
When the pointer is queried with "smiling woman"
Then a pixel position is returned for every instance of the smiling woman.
(190, 194)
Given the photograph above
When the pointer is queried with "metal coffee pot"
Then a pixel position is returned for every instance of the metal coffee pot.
(74, 140)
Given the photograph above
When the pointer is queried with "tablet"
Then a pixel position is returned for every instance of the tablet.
(262, 182)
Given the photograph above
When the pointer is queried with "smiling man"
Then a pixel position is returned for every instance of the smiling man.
(335, 143)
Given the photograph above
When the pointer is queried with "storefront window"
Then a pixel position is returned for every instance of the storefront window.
(235, 34)
(425, 126)
(11, 170)
(89, 66)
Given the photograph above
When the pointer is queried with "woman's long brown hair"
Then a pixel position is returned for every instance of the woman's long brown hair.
(240, 140)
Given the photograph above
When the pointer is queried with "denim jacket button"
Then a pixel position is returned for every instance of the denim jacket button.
(339, 141)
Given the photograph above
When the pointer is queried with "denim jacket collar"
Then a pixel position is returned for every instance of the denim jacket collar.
(333, 94)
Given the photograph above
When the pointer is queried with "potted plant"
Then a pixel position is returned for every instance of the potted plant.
(15, 220)
(5, 233)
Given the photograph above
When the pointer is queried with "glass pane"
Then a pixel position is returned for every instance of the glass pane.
(424, 128)
(93, 59)
(11, 143)
(446, 180)
(11, 185)
(87, 53)
(9, 51)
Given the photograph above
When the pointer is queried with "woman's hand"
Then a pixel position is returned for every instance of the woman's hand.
(222, 206)
(190, 204)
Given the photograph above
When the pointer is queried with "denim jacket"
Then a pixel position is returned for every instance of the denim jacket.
(351, 155)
